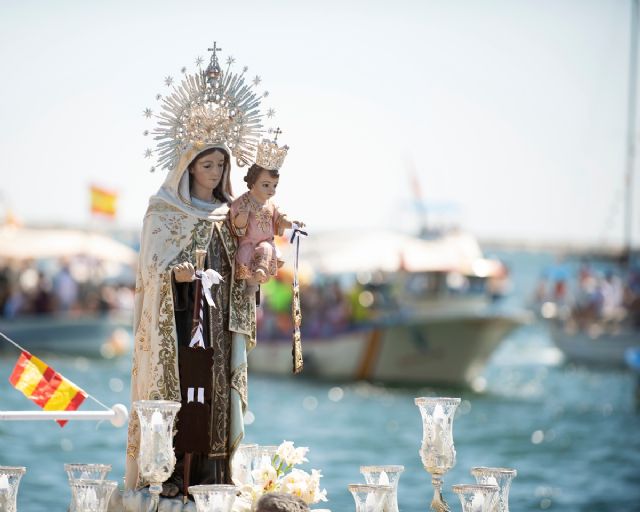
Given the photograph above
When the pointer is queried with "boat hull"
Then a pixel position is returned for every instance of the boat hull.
(603, 351)
(445, 351)
(70, 335)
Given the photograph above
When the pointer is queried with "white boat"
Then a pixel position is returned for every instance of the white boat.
(603, 342)
(594, 348)
(446, 349)
(435, 334)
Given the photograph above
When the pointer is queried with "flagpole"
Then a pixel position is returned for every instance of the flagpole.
(118, 415)
(73, 384)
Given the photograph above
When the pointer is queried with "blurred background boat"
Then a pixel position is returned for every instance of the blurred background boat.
(389, 307)
(592, 307)
(66, 291)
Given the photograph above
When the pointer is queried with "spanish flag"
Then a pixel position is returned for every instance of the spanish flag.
(46, 387)
(103, 201)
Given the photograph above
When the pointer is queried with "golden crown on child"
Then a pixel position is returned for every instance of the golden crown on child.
(270, 155)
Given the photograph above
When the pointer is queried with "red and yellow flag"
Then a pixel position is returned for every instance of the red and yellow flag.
(103, 201)
(46, 387)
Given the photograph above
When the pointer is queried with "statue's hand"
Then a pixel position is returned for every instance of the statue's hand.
(184, 272)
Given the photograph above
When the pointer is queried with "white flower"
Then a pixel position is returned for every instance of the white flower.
(242, 503)
(278, 476)
(299, 456)
(295, 483)
(285, 450)
(266, 477)
(313, 493)
(247, 499)
(291, 455)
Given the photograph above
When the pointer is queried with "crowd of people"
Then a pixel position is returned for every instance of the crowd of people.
(330, 304)
(606, 298)
(333, 305)
(67, 286)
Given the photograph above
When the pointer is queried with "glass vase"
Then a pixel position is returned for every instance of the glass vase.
(501, 477)
(9, 482)
(437, 452)
(264, 456)
(241, 464)
(85, 472)
(213, 498)
(384, 475)
(369, 497)
(156, 458)
(91, 495)
(477, 497)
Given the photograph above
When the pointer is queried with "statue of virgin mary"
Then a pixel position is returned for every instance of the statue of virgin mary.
(190, 212)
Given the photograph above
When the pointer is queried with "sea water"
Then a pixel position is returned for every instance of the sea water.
(572, 434)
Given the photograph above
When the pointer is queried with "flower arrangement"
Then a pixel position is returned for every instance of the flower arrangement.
(280, 475)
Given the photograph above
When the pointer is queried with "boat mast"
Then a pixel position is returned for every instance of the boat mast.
(631, 129)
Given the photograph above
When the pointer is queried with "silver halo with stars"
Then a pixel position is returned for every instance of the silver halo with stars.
(209, 107)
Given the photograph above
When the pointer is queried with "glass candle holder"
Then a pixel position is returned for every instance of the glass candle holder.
(437, 452)
(156, 458)
(477, 497)
(241, 464)
(9, 482)
(264, 456)
(92, 495)
(369, 497)
(384, 475)
(213, 498)
(501, 477)
(86, 472)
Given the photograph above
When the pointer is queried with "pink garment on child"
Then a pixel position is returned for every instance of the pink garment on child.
(256, 248)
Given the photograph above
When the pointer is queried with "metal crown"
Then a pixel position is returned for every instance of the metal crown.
(270, 155)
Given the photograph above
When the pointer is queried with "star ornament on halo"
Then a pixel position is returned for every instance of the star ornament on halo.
(168, 81)
(147, 112)
(199, 61)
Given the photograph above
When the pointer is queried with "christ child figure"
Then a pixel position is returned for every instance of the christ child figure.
(255, 219)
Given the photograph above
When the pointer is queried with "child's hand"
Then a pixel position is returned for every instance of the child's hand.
(298, 223)
(184, 272)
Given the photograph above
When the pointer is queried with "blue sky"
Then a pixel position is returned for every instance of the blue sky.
(512, 112)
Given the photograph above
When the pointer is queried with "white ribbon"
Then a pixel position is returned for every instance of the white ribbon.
(209, 277)
(191, 392)
(198, 340)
